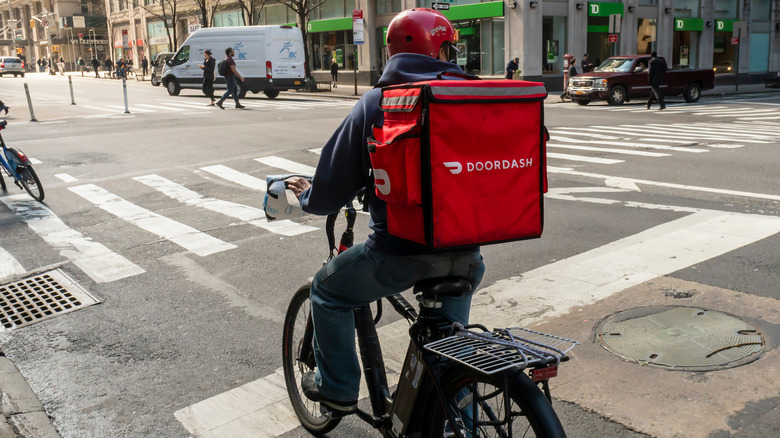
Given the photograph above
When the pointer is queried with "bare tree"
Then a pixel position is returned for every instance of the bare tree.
(303, 9)
(251, 9)
(206, 11)
(169, 8)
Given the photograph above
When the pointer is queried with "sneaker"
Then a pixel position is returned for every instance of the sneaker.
(219, 104)
(239, 106)
(333, 408)
(648, 105)
(663, 107)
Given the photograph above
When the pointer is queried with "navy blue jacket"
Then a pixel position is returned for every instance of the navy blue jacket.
(344, 164)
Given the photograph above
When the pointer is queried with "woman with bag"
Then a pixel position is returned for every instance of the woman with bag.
(208, 75)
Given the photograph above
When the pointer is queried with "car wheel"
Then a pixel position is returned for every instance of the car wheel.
(693, 93)
(271, 94)
(155, 82)
(582, 101)
(617, 95)
(173, 87)
(22, 74)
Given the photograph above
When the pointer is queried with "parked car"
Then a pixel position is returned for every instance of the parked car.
(723, 67)
(270, 58)
(621, 78)
(11, 65)
(158, 64)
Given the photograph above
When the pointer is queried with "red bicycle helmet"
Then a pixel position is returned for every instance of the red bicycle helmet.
(419, 30)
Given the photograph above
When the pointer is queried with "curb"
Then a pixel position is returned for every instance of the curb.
(22, 411)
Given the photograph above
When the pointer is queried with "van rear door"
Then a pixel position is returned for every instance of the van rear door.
(286, 56)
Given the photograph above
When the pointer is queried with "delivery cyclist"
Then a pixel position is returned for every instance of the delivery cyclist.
(420, 43)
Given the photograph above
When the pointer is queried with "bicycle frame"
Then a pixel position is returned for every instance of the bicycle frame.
(11, 159)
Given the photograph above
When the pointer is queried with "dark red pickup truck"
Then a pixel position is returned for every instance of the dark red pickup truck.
(622, 78)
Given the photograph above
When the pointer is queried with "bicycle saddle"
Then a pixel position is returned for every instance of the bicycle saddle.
(433, 287)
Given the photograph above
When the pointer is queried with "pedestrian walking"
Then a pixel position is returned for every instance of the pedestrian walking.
(120, 68)
(230, 78)
(81, 66)
(95, 65)
(208, 75)
(3, 107)
(572, 68)
(587, 66)
(511, 67)
(145, 66)
(40, 68)
(656, 69)
(109, 65)
(334, 72)
(44, 64)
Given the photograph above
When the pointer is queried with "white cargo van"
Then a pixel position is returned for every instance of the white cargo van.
(270, 58)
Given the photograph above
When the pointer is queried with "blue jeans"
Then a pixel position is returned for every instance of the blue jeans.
(230, 81)
(360, 276)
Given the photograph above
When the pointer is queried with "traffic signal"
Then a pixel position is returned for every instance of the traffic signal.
(20, 51)
(32, 24)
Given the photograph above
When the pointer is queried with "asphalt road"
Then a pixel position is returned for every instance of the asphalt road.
(147, 212)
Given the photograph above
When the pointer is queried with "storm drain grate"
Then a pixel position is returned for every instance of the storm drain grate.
(43, 296)
(680, 338)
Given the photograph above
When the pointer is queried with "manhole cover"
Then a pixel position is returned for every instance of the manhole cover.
(40, 297)
(680, 338)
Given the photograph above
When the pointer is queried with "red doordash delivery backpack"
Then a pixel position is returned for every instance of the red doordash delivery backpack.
(461, 162)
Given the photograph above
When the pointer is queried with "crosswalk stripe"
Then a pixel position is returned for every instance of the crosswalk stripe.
(97, 261)
(34, 160)
(317, 151)
(761, 118)
(648, 145)
(237, 177)
(99, 108)
(65, 177)
(251, 215)
(668, 134)
(183, 235)
(611, 150)
(720, 129)
(132, 108)
(749, 127)
(581, 158)
(286, 165)
(757, 113)
(185, 105)
(9, 266)
(156, 107)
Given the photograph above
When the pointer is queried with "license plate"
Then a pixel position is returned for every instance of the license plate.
(297, 82)
(579, 92)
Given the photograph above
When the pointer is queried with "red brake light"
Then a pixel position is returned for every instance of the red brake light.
(2, 65)
(22, 65)
(268, 70)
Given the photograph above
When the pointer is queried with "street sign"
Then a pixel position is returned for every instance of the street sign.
(45, 22)
(614, 23)
(441, 6)
(357, 26)
(613, 38)
(734, 41)
(81, 35)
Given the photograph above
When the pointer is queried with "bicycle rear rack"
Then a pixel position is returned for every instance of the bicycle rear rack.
(501, 349)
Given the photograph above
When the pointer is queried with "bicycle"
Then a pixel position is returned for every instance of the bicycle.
(456, 381)
(18, 167)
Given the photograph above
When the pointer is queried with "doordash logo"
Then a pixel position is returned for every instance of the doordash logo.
(456, 167)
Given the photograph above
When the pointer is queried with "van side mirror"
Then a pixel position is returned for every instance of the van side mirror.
(169, 62)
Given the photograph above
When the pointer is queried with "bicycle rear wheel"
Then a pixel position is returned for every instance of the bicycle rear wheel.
(483, 406)
(31, 183)
(296, 323)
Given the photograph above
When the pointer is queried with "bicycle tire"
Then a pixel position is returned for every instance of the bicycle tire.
(531, 413)
(295, 321)
(31, 183)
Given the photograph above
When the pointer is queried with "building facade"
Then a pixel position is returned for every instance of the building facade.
(53, 29)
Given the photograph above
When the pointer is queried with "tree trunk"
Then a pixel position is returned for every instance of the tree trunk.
(305, 35)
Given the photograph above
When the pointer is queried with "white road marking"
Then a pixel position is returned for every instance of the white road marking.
(237, 177)
(9, 266)
(97, 261)
(287, 165)
(183, 235)
(676, 135)
(52, 122)
(131, 108)
(250, 215)
(649, 145)
(611, 150)
(261, 408)
(65, 177)
(727, 129)
(760, 118)
(317, 151)
(34, 160)
(581, 158)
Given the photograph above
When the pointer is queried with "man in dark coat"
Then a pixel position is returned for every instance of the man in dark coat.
(587, 66)
(208, 75)
(512, 67)
(655, 76)
(95, 65)
(572, 68)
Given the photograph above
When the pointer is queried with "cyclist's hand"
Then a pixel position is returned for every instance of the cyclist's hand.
(298, 185)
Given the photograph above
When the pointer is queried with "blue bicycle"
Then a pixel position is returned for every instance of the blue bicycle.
(18, 166)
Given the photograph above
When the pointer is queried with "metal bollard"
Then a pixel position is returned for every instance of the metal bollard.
(70, 83)
(29, 103)
(124, 88)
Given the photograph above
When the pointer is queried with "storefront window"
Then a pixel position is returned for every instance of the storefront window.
(760, 10)
(554, 40)
(723, 53)
(648, 2)
(330, 9)
(274, 14)
(686, 8)
(646, 35)
(598, 46)
(759, 52)
(469, 58)
(388, 6)
(497, 46)
(229, 19)
(327, 46)
(726, 8)
(157, 38)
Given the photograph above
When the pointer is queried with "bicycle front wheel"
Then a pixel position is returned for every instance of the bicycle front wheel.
(484, 408)
(31, 183)
(298, 360)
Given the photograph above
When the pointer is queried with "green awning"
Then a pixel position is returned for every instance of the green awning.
(601, 9)
(689, 24)
(331, 24)
(474, 11)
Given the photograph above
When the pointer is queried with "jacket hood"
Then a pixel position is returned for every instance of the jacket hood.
(412, 67)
